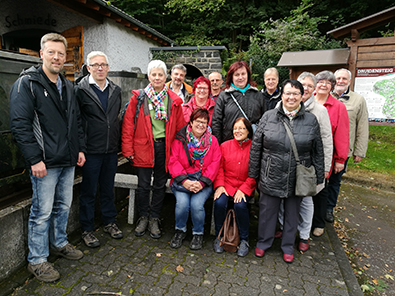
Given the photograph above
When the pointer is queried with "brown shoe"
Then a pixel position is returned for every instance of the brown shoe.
(318, 232)
(44, 272)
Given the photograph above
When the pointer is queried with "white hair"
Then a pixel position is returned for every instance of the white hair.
(344, 69)
(158, 64)
(93, 54)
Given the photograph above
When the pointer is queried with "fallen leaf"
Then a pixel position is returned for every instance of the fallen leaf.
(375, 282)
(389, 277)
(179, 268)
(346, 220)
(370, 217)
(159, 254)
(365, 288)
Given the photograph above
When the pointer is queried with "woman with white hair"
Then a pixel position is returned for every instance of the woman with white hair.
(147, 134)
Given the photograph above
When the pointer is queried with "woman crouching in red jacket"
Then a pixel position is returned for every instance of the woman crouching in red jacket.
(233, 181)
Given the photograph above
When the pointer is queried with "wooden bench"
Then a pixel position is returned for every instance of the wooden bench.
(130, 182)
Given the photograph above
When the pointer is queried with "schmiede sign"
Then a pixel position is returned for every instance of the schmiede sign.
(377, 86)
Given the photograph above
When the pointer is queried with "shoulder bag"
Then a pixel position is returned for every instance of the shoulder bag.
(245, 115)
(229, 233)
(306, 178)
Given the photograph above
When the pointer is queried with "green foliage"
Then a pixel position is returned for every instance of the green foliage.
(380, 156)
(296, 32)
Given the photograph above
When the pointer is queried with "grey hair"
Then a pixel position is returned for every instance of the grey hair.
(52, 37)
(305, 75)
(93, 54)
(344, 69)
(158, 64)
(271, 70)
(326, 75)
(179, 66)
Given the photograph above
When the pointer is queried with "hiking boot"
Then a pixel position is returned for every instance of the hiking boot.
(244, 247)
(44, 272)
(113, 230)
(90, 239)
(141, 227)
(329, 217)
(153, 228)
(177, 239)
(196, 242)
(216, 246)
(69, 252)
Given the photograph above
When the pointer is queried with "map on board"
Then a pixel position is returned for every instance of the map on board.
(377, 86)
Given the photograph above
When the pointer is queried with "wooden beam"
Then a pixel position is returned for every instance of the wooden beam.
(78, 8)
(354, 35)
(375, 64)
(373, 41)
(93, 6)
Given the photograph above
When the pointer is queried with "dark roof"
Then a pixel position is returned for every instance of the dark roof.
(315, 57)
(99, 9)
(182, 48)
(365, 23)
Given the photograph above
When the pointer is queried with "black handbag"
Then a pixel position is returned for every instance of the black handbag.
(306, 178)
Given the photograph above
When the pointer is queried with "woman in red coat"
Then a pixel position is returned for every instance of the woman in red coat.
(233, 181)
(147, 134)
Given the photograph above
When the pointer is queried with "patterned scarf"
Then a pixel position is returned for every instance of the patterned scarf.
(198, 149)
(157, 100)
(291, 114)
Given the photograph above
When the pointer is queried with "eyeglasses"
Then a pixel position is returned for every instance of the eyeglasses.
(309, 86)
(295, 94)
(199, 122)
(324, 82)
(97, 66)
(202, 88)
(239, 129)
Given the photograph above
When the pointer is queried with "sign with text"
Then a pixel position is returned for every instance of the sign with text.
(377, 86)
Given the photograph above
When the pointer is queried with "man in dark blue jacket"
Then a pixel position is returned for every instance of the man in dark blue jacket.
(100, 102)
(44, 120)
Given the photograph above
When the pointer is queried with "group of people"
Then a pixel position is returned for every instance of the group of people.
(226, 142)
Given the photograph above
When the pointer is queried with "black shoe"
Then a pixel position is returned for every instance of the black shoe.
(196, 242)
(329, 217)
(177, 239)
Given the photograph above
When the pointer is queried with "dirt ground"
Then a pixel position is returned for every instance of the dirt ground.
(365, 223)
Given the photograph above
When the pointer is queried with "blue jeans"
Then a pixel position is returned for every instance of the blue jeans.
(98, 168)
(194, 202)
(51, 201)
(241, 211)
(334, 187)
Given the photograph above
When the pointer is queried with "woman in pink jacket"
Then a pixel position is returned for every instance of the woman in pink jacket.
(233, 181)
(193, 166)
(201, 99)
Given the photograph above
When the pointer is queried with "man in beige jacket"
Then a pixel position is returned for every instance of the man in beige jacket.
(359, 131)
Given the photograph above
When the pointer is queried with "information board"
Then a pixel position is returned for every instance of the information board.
(377, 86)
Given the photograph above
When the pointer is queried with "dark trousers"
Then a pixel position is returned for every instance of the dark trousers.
(268, 214)
(241, 211)
(98, 169)
(320, 202)
(334, 187)
(144, 184)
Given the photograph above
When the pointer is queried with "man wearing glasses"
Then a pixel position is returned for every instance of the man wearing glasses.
(100, 102)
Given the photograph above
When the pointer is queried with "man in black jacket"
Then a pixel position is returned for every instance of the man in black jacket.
(100, 101)
(44, 120)
(271, 92)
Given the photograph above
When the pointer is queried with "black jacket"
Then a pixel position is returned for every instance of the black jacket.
(271, 100)
(271, 156)
(101, 128)
(226, 111)
(43, 130)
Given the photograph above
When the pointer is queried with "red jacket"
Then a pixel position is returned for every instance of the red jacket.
(340, 127)
(179, 165)
(139, 143)
(233, 171)
(191, 105)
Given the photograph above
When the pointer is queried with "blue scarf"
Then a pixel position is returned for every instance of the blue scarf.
(239, 89)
